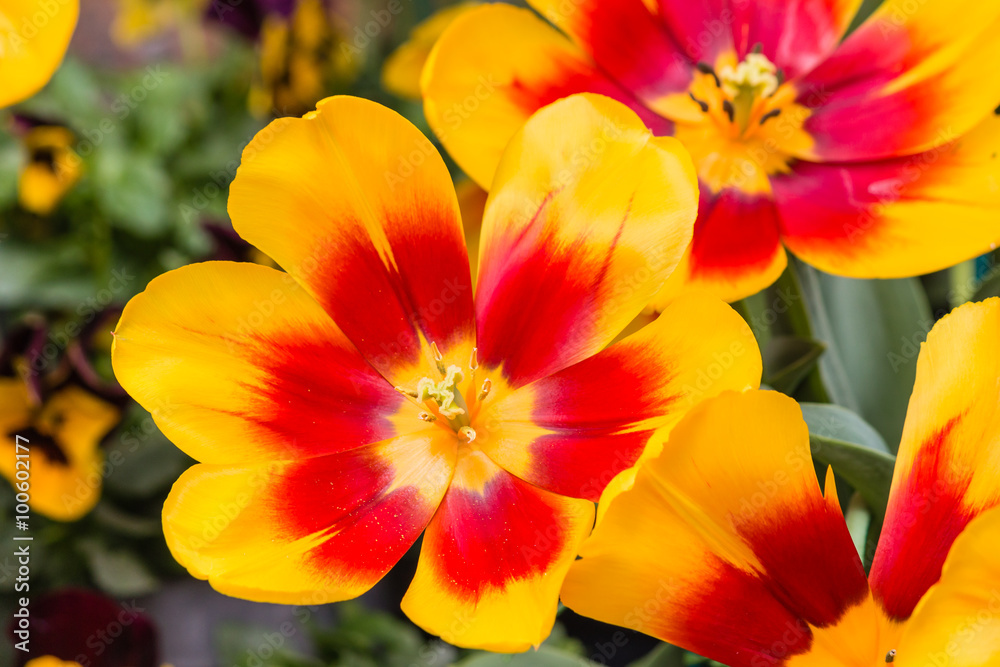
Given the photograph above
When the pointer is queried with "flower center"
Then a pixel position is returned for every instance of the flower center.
(740, 122)
(444, 401)
(756, 78)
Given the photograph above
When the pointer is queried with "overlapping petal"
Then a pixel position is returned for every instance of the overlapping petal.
(726, 546)
(34, 36)
(703, 30)
(914, 76)
(958, 621)
(360, 208)
(478, 91)
(884, 219)
(588, 215)
(794, 34)
(736, 249)
(312, 531)
(238, 363)
(946, 467)
(493, 559)
(626, 40)
(402, 69)
(573, 432)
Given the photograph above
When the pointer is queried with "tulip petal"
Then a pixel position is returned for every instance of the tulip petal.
(572, 432)
(946, 467)
(794, 34)
(478, 91)
(736, 250)
(957, 622)
(237, 363)
(308, 532)
(493, 559)
(34, 36)
(403, 67)
(703, 29)
(725, 545)
(914, 76)
(626, 40)
(883, 219)
(588, 215)
(358, 206)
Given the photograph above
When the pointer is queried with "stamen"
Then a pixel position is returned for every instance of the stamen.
(773, 113)
(757, 48)
(468, 433)
(427, 417)
(890, 656)
(474, 361)
(438, 358)
(705, 68)
(703, 105)
(727, 106)
(997, 111)
(779, 76)
(406, 392)
(485, 391)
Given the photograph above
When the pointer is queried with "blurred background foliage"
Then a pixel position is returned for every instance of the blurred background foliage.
(119, 170)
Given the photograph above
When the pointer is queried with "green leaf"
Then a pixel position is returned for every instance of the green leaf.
(990, 287)
(118, 572)
(873, 330)
(543, 657)
(53, 275)
(133, 190)
(857, 452)
(788, 360)
(664, 655)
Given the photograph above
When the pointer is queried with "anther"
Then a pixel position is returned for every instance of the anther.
(996, 111)
(773, 113)
(485, 391)
(703, 105)
(438, 358)
(427, 417)
(474, 361)
(705, 68)
(757, 48)
(727, 106)
(890, 656)
(468, 433)
(406, 392)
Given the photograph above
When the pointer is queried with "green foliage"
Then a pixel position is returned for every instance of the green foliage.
(872, 330)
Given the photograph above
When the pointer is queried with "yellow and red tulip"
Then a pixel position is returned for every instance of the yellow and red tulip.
(849, 152)
(727, 547)
(363, 398)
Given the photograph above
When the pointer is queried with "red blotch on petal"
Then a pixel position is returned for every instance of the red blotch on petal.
(924, 517)
(768, 633)
(736, 233)
(321, 397)
(343, 496)
(508, 532)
